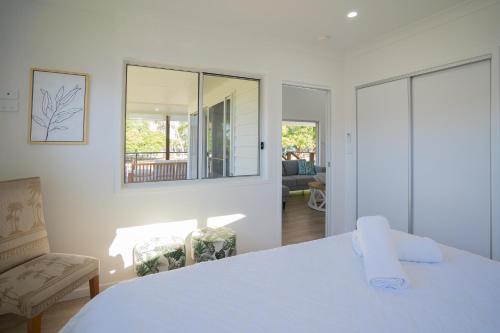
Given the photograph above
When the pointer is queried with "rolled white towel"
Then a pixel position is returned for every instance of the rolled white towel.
(382, 267)
(408, 247)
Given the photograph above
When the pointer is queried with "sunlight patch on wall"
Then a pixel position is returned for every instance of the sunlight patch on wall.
(223, 220)
(126, 238)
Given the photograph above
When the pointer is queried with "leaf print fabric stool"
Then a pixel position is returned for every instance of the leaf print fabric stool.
(212, 244)
(158, 255)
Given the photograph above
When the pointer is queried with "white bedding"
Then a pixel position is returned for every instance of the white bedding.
(317, 286)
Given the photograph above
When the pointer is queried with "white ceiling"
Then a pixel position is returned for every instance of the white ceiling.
(300, 22)
(296, 21)
(303, 21)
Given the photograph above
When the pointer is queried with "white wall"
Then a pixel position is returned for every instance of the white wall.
(464, 32)
(307, 104)
(86, 209)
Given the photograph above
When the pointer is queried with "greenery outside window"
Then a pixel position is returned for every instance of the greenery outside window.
(299, 140)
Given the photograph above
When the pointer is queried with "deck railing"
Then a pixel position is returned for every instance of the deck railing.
(156, 155)
(299, 155)
(154, 166)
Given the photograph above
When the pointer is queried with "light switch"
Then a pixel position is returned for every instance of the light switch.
(9, 94)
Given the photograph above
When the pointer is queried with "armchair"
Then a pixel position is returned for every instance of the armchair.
(31, 277)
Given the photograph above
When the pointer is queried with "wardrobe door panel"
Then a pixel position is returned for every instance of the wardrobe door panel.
(383, 152)
(451, 156)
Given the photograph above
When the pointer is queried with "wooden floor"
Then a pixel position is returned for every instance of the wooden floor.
(301, 223)
(52, 321)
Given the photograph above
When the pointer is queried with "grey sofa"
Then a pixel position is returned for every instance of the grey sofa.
(292, 179)
(285, 193)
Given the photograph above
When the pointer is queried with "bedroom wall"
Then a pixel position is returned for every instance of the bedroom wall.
(307, 104)
(465, 32)
(87, 211)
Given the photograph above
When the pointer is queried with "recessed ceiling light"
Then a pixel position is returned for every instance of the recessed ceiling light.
(324, 37)
(157, 109)
(352, 14)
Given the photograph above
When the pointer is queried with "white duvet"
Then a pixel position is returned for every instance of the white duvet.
(317, 286)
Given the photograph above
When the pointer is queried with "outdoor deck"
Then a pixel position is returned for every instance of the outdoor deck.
(155, 167)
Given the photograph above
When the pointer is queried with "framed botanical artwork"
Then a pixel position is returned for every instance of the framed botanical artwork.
(58, 107)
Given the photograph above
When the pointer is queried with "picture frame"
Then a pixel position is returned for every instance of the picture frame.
(58, 107)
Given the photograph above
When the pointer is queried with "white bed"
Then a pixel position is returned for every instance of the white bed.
(317, 286)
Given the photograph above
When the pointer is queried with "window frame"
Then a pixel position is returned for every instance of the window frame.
(200, 179)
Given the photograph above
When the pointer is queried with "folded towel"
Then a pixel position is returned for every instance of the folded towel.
(408, 247)
(382, 267)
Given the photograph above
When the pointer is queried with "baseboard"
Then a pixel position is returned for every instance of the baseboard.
(83, 291)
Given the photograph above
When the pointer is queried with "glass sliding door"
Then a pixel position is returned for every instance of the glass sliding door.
(227, 138)
(219, 140)
(193, 145)
(215, 141)
(231, 126)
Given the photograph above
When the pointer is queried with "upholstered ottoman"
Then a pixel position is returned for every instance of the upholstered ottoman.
(211, 244)
(159, 254)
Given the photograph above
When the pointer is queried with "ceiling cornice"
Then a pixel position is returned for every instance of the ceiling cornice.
(432, 22)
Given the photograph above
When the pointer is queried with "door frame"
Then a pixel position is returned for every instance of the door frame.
(329, 150)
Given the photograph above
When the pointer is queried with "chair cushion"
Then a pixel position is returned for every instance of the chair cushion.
(30, 288)
(291, 167)
(22, 226)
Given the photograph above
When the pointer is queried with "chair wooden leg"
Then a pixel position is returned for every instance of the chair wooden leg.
(94, 286)
(35, 324)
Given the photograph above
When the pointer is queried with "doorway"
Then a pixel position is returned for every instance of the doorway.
(305, 144)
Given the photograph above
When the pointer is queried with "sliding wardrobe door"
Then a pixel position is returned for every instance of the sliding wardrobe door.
(451, 156)
(383, 152)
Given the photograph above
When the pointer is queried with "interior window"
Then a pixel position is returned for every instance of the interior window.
(167, 138)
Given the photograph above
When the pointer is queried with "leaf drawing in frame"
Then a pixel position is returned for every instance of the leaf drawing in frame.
(58, 106)
(54, 112)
